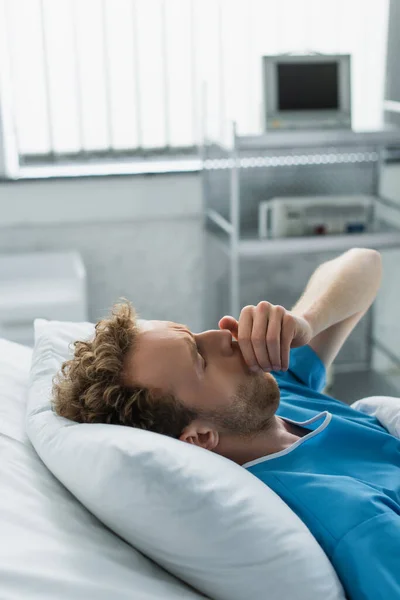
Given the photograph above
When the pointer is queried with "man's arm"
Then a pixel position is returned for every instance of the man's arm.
(337, 296)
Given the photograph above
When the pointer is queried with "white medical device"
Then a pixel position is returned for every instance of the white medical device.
(314, 215)
(309, 91)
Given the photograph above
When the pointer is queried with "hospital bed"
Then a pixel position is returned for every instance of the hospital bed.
(54, 547)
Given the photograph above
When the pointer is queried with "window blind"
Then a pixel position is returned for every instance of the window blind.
(93, 77)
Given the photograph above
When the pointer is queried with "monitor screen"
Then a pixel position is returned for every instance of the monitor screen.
(308, 86)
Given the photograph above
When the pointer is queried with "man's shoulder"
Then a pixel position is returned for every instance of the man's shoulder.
(305, 369)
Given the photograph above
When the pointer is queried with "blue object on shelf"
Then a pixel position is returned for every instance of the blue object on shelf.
(355, 227)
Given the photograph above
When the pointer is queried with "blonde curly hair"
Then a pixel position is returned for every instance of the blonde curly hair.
(90, 389)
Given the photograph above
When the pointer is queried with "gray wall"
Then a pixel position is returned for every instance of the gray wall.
(392, 91)
(140, 237)
(2, 157)
(386, 321)
(392, 88)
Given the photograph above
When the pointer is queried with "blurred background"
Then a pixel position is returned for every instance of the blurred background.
(139, 140)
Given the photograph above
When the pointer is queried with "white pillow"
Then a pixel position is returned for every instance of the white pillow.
(51, 547)
(199, 515)
(384, 408)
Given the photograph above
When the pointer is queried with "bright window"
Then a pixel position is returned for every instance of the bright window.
(113, 76)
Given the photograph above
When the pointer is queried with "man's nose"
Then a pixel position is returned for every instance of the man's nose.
(216, 340)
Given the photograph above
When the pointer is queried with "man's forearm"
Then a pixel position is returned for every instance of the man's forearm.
(340, 288)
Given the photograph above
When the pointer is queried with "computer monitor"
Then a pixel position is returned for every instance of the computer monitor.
(311, 91)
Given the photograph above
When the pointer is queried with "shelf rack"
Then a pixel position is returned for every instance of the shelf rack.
(254, 168)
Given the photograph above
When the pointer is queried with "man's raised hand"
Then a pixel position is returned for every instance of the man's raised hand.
(266, 333)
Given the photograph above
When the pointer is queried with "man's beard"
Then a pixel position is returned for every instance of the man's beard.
(251, 409)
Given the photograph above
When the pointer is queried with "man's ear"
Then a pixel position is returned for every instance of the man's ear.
(200, 434)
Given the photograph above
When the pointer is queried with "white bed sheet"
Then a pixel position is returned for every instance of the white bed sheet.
(51, 546)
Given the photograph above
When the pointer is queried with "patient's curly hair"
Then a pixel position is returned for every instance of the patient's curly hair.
(90, 389)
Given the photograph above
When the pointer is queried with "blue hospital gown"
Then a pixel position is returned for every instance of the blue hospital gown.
(342, 479)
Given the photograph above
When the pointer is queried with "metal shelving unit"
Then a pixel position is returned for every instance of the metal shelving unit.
(255, 168)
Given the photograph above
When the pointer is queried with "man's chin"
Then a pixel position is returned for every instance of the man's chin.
(253, 406)
(272, 381)
(265, 394)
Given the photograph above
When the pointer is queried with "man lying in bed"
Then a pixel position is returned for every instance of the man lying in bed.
(251, 391)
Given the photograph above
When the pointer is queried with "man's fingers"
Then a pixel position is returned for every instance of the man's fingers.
(244, 337)
(287, 333)
(258, 335)
(230, 324)
(273, 337)
(265, 333)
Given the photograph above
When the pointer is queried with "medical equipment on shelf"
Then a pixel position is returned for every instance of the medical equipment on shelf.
(314, 215)
(308, 91)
